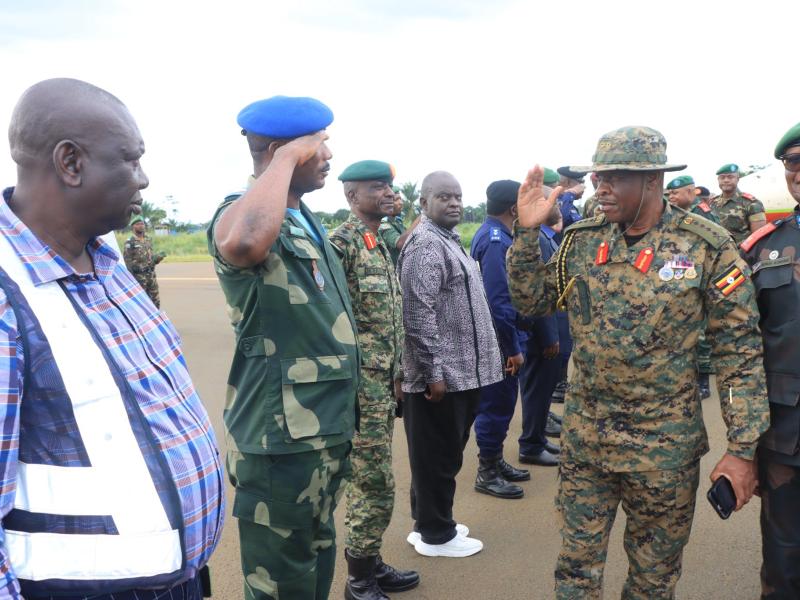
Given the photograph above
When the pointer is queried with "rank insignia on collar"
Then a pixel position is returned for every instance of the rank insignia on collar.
(731, 279)
(370, 241)
(601, 257)
(644, 259)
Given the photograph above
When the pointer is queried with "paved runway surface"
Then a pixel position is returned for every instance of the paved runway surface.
(520, 537)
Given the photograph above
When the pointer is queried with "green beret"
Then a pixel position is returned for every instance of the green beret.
(551, 178)
(368, 170)
(136, 219)
(395, 189)
(729, 168)
(790, 138)
(680, 182)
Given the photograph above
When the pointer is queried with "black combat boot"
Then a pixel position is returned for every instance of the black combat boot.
(361, 583)
(489, 481)
(392, 580)
(510, 473)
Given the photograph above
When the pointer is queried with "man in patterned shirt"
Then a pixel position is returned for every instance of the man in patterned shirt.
(110, 480)
(451, 351)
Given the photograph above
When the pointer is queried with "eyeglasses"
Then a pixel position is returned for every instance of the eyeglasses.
(791, 162)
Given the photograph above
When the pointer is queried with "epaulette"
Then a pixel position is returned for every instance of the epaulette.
(714, 234)
(344, 232)
(759, 233)
(703, 206)
(586, 223)
(748, 196)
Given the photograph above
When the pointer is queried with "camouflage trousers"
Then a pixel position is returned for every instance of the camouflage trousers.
(659, 506)
(780, 528)
(284, 504)
(370, 491)
(149, 284)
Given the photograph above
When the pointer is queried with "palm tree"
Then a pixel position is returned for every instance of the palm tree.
(410, 196)
(151, 214)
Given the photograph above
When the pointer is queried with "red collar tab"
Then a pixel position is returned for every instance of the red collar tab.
(644, 260)
(601, 257)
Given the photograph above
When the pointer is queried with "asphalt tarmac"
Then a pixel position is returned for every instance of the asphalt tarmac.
(520, 537)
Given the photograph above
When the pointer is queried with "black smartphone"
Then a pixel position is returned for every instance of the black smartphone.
(722, 497)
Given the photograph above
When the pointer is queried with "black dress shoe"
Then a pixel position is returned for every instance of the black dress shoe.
(553, 427)
(510, 473)
(552, 448)
(557, 418)
(543, 459)
(393, 580)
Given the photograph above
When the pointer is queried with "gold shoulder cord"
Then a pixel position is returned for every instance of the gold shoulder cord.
(562, 285)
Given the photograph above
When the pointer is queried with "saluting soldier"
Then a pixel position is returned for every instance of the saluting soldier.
(375, 294)
(774, 254)
(739, 212)
(140, 260)
(639, 282)
(290, 409)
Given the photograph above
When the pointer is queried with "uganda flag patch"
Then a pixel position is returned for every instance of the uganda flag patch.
(732, 279)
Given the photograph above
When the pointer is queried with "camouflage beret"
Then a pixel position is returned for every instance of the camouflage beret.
(136, 219)
(631, 149)
(790, 138)
(729, 168)
(368, 170)
(551, 178)
(680, 182)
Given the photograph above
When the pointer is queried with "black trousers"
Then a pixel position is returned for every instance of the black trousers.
(780, 529)
(437, 433)
(537, 380)
(194, 589)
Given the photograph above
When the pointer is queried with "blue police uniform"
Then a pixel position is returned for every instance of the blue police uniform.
(569, 214)
(539, 375)
(489, 247)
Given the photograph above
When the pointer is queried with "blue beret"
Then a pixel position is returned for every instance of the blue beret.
(284, 117)
(368, 170)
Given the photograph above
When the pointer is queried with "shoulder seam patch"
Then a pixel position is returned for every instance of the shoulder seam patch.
(587, 223)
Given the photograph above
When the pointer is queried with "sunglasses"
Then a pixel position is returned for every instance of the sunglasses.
(791, 162)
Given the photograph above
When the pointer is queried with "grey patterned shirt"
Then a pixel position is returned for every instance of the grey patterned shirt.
(449, 331)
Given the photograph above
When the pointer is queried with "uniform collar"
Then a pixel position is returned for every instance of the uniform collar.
(493, 222)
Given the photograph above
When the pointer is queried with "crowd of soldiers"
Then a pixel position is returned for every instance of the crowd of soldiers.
(339, 333)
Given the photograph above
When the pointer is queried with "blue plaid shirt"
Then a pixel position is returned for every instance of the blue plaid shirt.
(121, 313)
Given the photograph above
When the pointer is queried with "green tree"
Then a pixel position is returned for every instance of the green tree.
(410, 195)
(340, 216)
(151, 214)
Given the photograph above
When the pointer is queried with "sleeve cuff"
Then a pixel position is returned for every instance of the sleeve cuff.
(745, 451)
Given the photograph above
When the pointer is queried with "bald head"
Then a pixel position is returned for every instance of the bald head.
(440, 199)
(59, 109)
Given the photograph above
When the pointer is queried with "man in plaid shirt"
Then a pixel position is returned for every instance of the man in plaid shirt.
(110, 479)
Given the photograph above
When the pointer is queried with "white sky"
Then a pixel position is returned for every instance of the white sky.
(482, 89)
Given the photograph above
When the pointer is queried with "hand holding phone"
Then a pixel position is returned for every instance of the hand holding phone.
(722, 497)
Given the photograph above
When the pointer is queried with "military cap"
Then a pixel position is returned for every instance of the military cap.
(680, 182)
(136, 219)
(631, 149)
(551, 178)
(501, 195)
(368, 170)
(569, 173)
(395, 189)
(729, 168)
(284, 117)
(701, 191)
(790, 139)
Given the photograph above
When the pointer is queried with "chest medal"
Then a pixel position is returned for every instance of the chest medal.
(318, 278)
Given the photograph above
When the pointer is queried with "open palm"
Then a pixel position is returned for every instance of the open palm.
(532, 206)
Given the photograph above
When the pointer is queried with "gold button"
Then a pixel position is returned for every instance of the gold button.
(648, 251)
(688, 220)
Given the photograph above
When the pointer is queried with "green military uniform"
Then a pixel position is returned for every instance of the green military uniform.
(633, 427)
(141, 262)
(290, 409)
(375, 295)
(737, 213)
(702, 209)
(390, 230)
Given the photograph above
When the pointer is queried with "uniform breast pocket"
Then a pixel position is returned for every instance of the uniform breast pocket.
(306, 282)
(375, 296)
(777, 297)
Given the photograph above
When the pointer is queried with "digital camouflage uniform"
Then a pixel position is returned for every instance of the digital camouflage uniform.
(633, 427)
(375, 295)
(290, 408)
(591, 206)
(737, 212)
(141, 262)
(390, 230)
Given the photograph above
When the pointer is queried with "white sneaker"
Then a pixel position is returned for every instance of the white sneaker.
(416, 536)
(458, 547)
